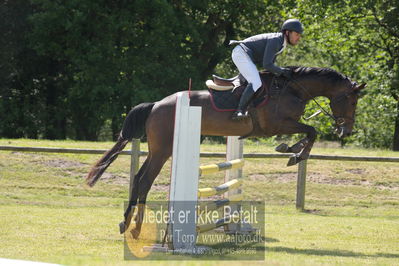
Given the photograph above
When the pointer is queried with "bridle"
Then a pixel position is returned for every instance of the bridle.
(339, 121)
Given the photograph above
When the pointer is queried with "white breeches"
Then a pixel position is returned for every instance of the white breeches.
(246, 67)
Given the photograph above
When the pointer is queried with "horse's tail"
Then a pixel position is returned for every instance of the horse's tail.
(133, 127)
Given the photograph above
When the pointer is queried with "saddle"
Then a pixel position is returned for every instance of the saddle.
(226, 93)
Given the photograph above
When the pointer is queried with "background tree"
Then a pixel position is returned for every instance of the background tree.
(31, 98)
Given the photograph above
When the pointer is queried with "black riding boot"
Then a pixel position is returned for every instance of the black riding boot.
(245, 99)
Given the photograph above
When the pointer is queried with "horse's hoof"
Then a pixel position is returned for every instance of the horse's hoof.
(122, 227)
(283, 148)
(293, 160)
(135, 233)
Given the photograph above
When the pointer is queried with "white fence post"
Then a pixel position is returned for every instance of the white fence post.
(234, 150)
(301, 185)
(184, 181)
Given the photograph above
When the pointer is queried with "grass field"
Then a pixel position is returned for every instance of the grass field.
(49, 215)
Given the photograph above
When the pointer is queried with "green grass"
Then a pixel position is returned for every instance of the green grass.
(48, 214)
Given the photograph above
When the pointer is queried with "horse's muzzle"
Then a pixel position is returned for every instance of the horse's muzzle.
(342, 132)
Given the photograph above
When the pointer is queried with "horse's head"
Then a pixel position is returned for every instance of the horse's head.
(343, 106)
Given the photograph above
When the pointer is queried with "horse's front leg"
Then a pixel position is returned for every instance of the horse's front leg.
(296, 148)
(303, 147)
(302, 155)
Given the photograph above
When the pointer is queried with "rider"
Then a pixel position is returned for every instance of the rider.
(262, 48)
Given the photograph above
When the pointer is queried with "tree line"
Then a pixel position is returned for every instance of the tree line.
(73, 68)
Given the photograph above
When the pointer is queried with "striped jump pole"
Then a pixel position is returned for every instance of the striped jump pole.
(231, 188)
(219, 190)
(214, 205)
(213, 168)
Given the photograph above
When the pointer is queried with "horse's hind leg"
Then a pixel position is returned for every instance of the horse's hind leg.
(160, 145)
(133, 197)
(144, 185)
(159, 131)
(141, 186)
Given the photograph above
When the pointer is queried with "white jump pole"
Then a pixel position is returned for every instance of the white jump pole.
(184, 179)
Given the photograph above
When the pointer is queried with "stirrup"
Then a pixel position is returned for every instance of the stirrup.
(240, 115)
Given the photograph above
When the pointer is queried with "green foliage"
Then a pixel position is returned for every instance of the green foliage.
(375, 124)
(323, 123)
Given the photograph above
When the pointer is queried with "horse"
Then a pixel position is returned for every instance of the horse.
(279, 116)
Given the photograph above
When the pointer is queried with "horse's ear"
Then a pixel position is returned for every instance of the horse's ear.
(360, 87)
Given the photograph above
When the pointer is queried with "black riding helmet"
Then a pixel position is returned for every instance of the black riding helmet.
(292, 25)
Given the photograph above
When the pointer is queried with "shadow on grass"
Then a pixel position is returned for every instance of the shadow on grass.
(326, 252)
(270, 240)
(324, 213)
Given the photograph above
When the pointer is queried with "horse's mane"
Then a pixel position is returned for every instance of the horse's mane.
(313, 72)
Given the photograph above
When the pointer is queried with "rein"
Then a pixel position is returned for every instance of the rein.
(338, 120)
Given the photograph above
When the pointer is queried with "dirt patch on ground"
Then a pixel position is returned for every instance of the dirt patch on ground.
(256, 177)
(160, 188)
(324, 179)
(320, 178)
(115, 179)
(71, 168)
(60, 163)
(311, 177)
(356, 171)
(280, 177)
(56, 163)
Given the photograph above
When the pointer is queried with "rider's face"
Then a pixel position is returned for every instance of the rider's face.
(294, 37)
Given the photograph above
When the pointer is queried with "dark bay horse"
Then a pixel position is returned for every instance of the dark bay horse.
(279, 116)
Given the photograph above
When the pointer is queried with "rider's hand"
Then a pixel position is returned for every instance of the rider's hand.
(287, 73)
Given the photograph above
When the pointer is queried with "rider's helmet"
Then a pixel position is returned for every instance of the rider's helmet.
(292, 25)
